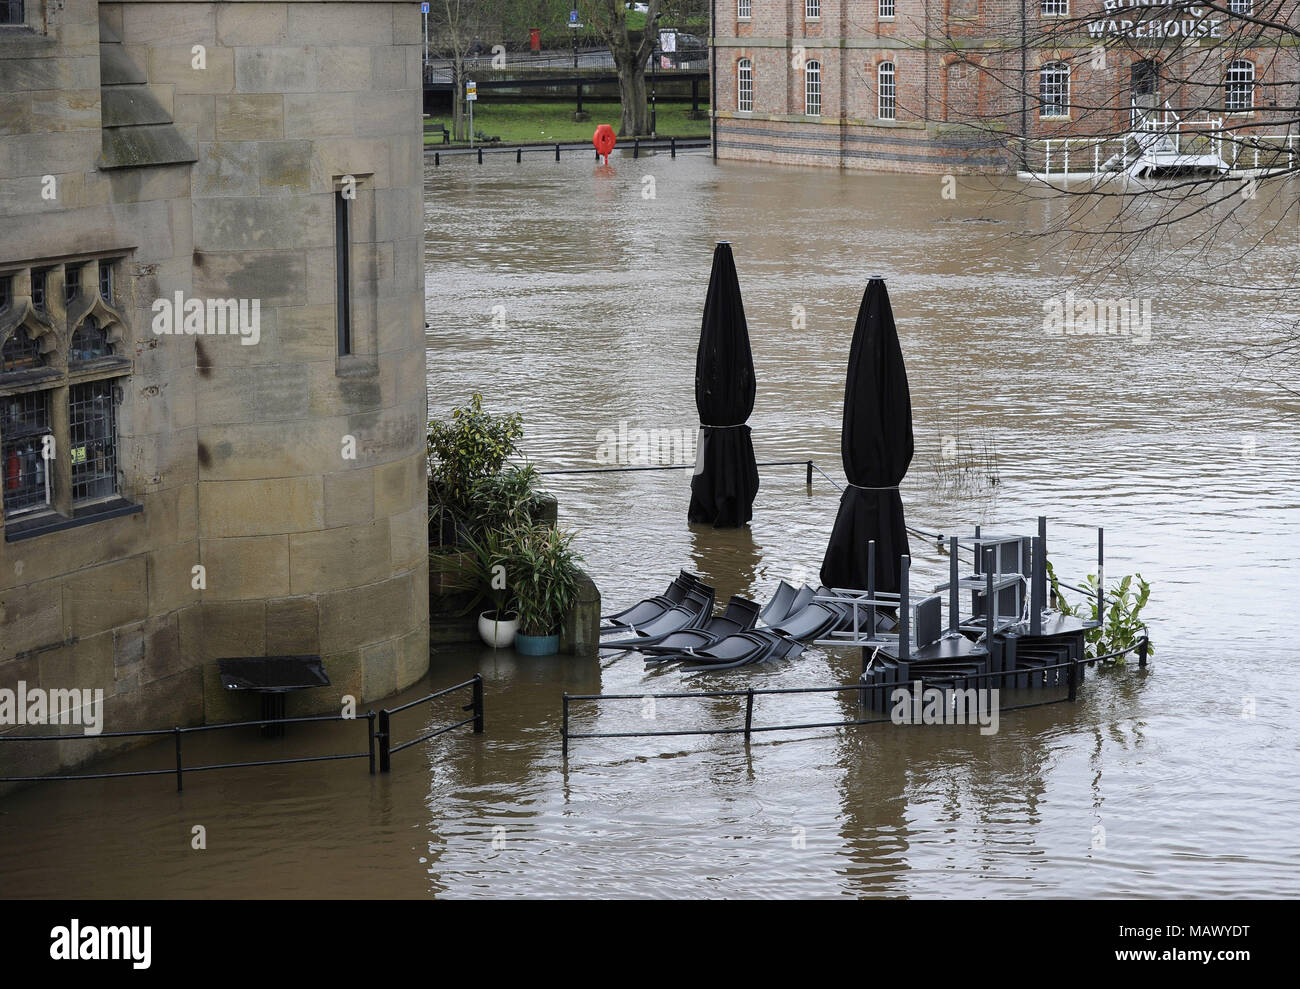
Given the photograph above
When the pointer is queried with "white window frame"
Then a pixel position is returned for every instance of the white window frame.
(887, 91)
(744, 9)
(1239, 86)
(812, 88)
(812, 10)
(1242, 7)
(886, 10)
(1054, 8)
(745, 86)
(1058, 108)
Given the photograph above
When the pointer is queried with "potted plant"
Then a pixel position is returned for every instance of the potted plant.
(483, 570)
(543, 579)
(467, 457)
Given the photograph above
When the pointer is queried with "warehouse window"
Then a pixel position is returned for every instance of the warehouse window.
(812, 9)
(743, 10)
(745, 85)
(885, 91)
(11, 12)
(1240, 6)
(886, 10)
(812, 90)
(1239, 86)
(1054, 90)
(1055, 8)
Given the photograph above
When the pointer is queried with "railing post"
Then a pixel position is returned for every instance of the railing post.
(477, 700)
(636, 147)
(564, 728)
(672, 146)
(557, 152)
(990, 598)
(385, 757)
(749, 713)
(370, 720)
(519, 155)
(480, 156)
(437, 159)
(1073, 679)
(176, 734)
(808, 481)
(1142, 652)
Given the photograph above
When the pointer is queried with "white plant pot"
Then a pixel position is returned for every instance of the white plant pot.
(498, 634)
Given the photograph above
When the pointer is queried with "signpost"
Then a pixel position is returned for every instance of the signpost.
(574, 25)
(424, 13)
(471, 95)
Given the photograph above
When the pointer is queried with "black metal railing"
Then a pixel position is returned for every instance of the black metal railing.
(1026, 678)
(379, 748)
(671, 144)
(385, 736)
(177, 733)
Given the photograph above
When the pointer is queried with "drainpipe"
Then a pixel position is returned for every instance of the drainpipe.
(713, 74)
(1024, 84)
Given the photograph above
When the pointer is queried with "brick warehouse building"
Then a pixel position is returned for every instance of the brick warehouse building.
(209, 494)
(941, 85)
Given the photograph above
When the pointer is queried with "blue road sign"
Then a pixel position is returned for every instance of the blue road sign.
(573, 17)
(424, 8)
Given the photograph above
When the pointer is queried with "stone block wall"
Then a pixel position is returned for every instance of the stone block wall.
(293, 475)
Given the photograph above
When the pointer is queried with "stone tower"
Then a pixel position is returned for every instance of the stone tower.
(212, 373)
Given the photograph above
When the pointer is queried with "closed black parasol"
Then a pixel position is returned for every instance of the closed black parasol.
(876, 444)
(726, 477)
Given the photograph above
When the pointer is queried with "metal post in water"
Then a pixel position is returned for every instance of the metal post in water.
(672, 147)
(519, 155)
(564, 728)
(809, 480)
(1142, 652)
(749, 713)
(954, 602)
(385, 757)
(476, 693)
(1037, 587)
(1073, 679)
(557, 152)
(1101, 577)
(437, 159)
(370, 719)
(176, 733)
(480, 156)
(990, 604)
(904, 623)
(636, 147)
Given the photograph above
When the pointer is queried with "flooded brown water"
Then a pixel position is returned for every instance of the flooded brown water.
(1177, 447)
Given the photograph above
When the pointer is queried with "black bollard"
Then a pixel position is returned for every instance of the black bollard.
(480, 156)
(636, 147)
(672, 147)
(437, 159)
(557, 152)
(519, 155)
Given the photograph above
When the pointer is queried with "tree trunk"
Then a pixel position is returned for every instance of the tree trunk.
(458, 121)
(631, 92)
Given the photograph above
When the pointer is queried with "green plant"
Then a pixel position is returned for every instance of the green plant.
(464, 450)
(542, 574)
(482, 569)
(1122, 626)
(504, 499)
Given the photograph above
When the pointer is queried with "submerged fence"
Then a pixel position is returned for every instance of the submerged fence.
(378, 739)
(670, 144)
(1068, 674)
